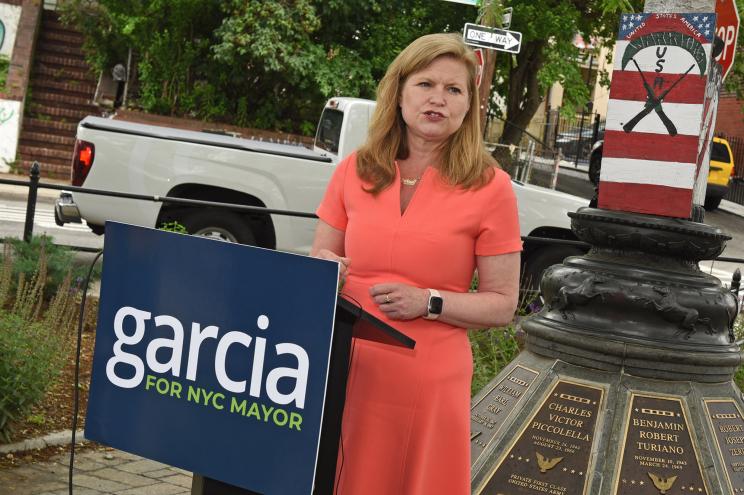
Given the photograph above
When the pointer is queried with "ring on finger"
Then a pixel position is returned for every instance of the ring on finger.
(387, 298)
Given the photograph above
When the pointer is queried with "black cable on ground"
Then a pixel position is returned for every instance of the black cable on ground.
(76, 393)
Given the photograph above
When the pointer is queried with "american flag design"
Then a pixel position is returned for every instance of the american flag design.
(656, 113)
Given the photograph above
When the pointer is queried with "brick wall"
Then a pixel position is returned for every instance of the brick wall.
(730, 120)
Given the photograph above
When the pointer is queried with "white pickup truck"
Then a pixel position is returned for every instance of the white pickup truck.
(144, 159)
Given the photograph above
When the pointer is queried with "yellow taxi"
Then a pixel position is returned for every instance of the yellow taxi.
(720, 173)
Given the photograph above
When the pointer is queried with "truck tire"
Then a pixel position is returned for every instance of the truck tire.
(712, 203)
(533, 268)
(219, 224)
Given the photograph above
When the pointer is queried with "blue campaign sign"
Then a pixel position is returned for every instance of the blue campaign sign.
(212, 357)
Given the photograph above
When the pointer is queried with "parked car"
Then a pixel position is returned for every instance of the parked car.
(144, 159)
(720, 173)
(568, 141)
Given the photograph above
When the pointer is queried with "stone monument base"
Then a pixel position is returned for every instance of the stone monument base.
(547, 426)
(625, 386)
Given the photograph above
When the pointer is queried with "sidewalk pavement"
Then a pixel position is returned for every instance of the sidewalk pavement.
(101, 471)
(21, 192)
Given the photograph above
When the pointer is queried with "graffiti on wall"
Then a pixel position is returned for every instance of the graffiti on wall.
(9, 17)
(9, 129)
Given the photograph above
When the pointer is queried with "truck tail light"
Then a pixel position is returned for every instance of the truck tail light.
(82, 161)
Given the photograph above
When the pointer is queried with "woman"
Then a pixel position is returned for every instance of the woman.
(409, 217)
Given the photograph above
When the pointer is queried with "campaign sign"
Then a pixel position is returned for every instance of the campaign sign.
(212, 357)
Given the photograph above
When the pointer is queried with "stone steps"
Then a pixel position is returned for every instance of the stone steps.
(49, 126)
(45, 154)
(54, 60)
(60, 49)
(64, 100)
(62, 91)
(81, 89)
(47, 169)
(61, 73)
(43, 139)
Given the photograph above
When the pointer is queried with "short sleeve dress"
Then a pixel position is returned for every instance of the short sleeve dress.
(406, 422)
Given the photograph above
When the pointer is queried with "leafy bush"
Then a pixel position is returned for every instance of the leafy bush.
(32, 348)
(492, 350)
(173, 227)
(4, 66)
(59, 261)
(739, 335)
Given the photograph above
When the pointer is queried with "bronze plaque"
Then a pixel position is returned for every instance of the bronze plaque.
(488, 414)
(552, 452)
(728, 425)
(658, 454)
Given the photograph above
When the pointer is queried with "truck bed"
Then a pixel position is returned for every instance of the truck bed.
(205, 138)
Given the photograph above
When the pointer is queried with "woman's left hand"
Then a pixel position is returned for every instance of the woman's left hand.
(400, 301)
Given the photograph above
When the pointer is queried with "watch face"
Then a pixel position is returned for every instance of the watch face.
(435, 305)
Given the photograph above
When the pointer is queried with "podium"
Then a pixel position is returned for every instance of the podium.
(351, 321)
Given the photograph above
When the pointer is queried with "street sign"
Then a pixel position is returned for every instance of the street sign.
(492, 38)
(727, 28)
(474, 3)
(507, 17)
(479, 56)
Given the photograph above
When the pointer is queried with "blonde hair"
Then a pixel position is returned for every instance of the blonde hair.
(465, 161)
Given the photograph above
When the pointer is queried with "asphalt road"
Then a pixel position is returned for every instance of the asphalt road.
(13, 217)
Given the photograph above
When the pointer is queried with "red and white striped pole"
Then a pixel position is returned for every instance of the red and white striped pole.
(661, 114)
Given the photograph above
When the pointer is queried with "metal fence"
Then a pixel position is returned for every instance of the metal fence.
(573, 136)
(553, 142)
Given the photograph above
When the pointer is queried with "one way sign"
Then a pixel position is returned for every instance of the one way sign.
(495, 39)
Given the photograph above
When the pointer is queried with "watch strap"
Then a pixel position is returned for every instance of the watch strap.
(433, 293)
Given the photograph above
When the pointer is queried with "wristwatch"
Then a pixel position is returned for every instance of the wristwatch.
(436, 303)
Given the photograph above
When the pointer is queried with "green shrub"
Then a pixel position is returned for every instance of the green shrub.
(4, 66)
(33, 348)
(492, 350)
(59, 261)
(173, 227)
(739, 335)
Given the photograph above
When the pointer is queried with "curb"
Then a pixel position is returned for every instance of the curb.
(731, 207)
(57, 438)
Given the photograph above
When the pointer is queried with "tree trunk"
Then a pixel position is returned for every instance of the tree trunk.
(523, 103)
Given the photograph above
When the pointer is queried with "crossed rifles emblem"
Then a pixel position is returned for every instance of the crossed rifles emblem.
(653, 103)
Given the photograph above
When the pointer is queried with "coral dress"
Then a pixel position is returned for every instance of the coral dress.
(406, 425)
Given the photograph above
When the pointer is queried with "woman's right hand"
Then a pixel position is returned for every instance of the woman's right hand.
(344, 263)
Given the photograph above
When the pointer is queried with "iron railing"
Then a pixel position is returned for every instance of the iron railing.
(34, 184)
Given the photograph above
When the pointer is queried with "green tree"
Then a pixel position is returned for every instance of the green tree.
(548, 54)
(263, 63)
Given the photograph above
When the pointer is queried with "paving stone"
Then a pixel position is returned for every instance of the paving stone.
(156, 489)
(49, 486)
(77, 491)
(120, 454)
(94, 483)
(88, 464)
(179, 479)
(141, 466)
(162, 473)
(117, 475)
